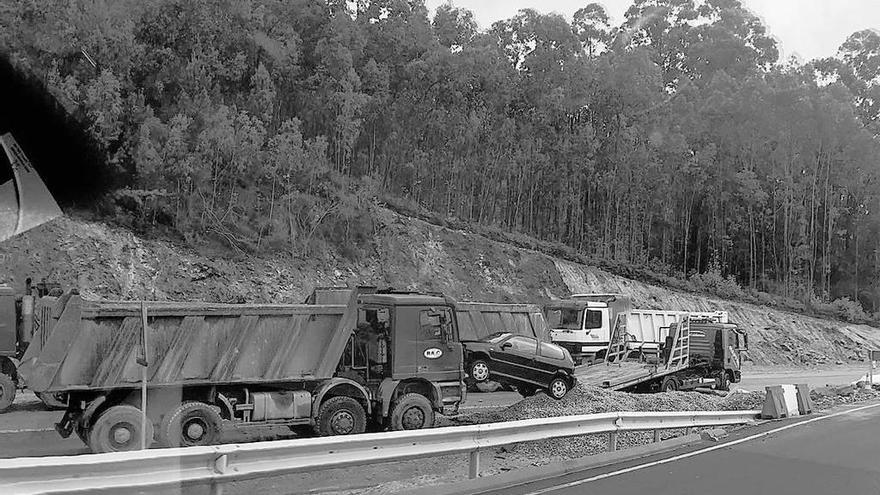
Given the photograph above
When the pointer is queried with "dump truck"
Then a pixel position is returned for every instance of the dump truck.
(381, 360)
(583, 324)
(21, 318)
(697, 351)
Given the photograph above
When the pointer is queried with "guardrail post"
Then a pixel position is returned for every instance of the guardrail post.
(656, 435)
(474, 464)
(220, 467)
(612, 441)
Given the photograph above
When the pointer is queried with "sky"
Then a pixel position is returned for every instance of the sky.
(806, 29)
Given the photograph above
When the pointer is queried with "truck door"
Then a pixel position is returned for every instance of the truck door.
(596, 326)
(440, 353)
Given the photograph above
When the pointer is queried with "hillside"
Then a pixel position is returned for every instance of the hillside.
(109, 262)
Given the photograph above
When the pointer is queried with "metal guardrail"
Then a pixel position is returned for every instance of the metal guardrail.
(216, 465)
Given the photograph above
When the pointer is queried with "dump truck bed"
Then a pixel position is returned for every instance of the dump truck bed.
(479, 320)
(97, 344)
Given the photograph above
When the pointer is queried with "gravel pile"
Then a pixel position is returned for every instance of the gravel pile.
(828, 397)
(585, 399)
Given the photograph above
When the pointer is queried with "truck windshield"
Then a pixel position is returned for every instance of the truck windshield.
(565, 318)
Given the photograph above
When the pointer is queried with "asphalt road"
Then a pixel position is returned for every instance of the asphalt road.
(833, 455)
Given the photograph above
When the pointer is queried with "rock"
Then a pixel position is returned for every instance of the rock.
(490, 386)
(713, 435)
(838, 362)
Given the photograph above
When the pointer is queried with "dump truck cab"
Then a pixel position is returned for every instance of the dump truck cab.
(409, 344)
(582, 324)
(21, 315)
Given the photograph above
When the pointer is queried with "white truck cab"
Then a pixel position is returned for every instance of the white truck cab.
(582, 324)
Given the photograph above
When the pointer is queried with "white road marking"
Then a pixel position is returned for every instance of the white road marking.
(26, 430)
(696, 452)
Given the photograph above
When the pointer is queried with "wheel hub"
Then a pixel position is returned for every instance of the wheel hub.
(481, 371)
(342, 423)
(121, 434)
(195, 430)
(559, 389)
(413, 419)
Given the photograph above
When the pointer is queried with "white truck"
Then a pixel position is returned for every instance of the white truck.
(583, 324)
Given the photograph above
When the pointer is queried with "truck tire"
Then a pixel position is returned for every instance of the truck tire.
(558, 388)
(118, 429)
(7, 391)
(191, 424)
(669, 384)
(412, 412)
(341, 416)
(53, 401)
(479, 371)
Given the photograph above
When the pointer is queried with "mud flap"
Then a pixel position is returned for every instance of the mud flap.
(65, 426)
(25, 202)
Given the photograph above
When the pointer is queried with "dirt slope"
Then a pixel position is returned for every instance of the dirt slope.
(109, 262)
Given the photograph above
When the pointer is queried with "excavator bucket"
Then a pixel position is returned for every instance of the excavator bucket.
(25, 202)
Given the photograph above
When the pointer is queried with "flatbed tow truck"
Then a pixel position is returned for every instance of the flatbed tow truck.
(698, 352)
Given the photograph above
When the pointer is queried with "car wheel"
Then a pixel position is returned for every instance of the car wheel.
(669, 384)
(558, 388)
(479, 371)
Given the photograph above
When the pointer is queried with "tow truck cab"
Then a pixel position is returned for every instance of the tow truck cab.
(718, 346)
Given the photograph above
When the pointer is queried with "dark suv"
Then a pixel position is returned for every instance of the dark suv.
(521, 361)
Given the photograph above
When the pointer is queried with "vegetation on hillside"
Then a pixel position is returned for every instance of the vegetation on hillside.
(676, 141)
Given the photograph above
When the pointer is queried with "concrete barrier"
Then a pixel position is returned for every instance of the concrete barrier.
(787, 401)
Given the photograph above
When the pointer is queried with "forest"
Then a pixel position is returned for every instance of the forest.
(678, 141)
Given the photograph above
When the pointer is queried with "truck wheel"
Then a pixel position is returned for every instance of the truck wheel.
(341, 416)
(53, 401)
(558, 388)
(669, 384)
(191, 424)
(479, 371)
(118, 429)
(412, 412)
(7, 391)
